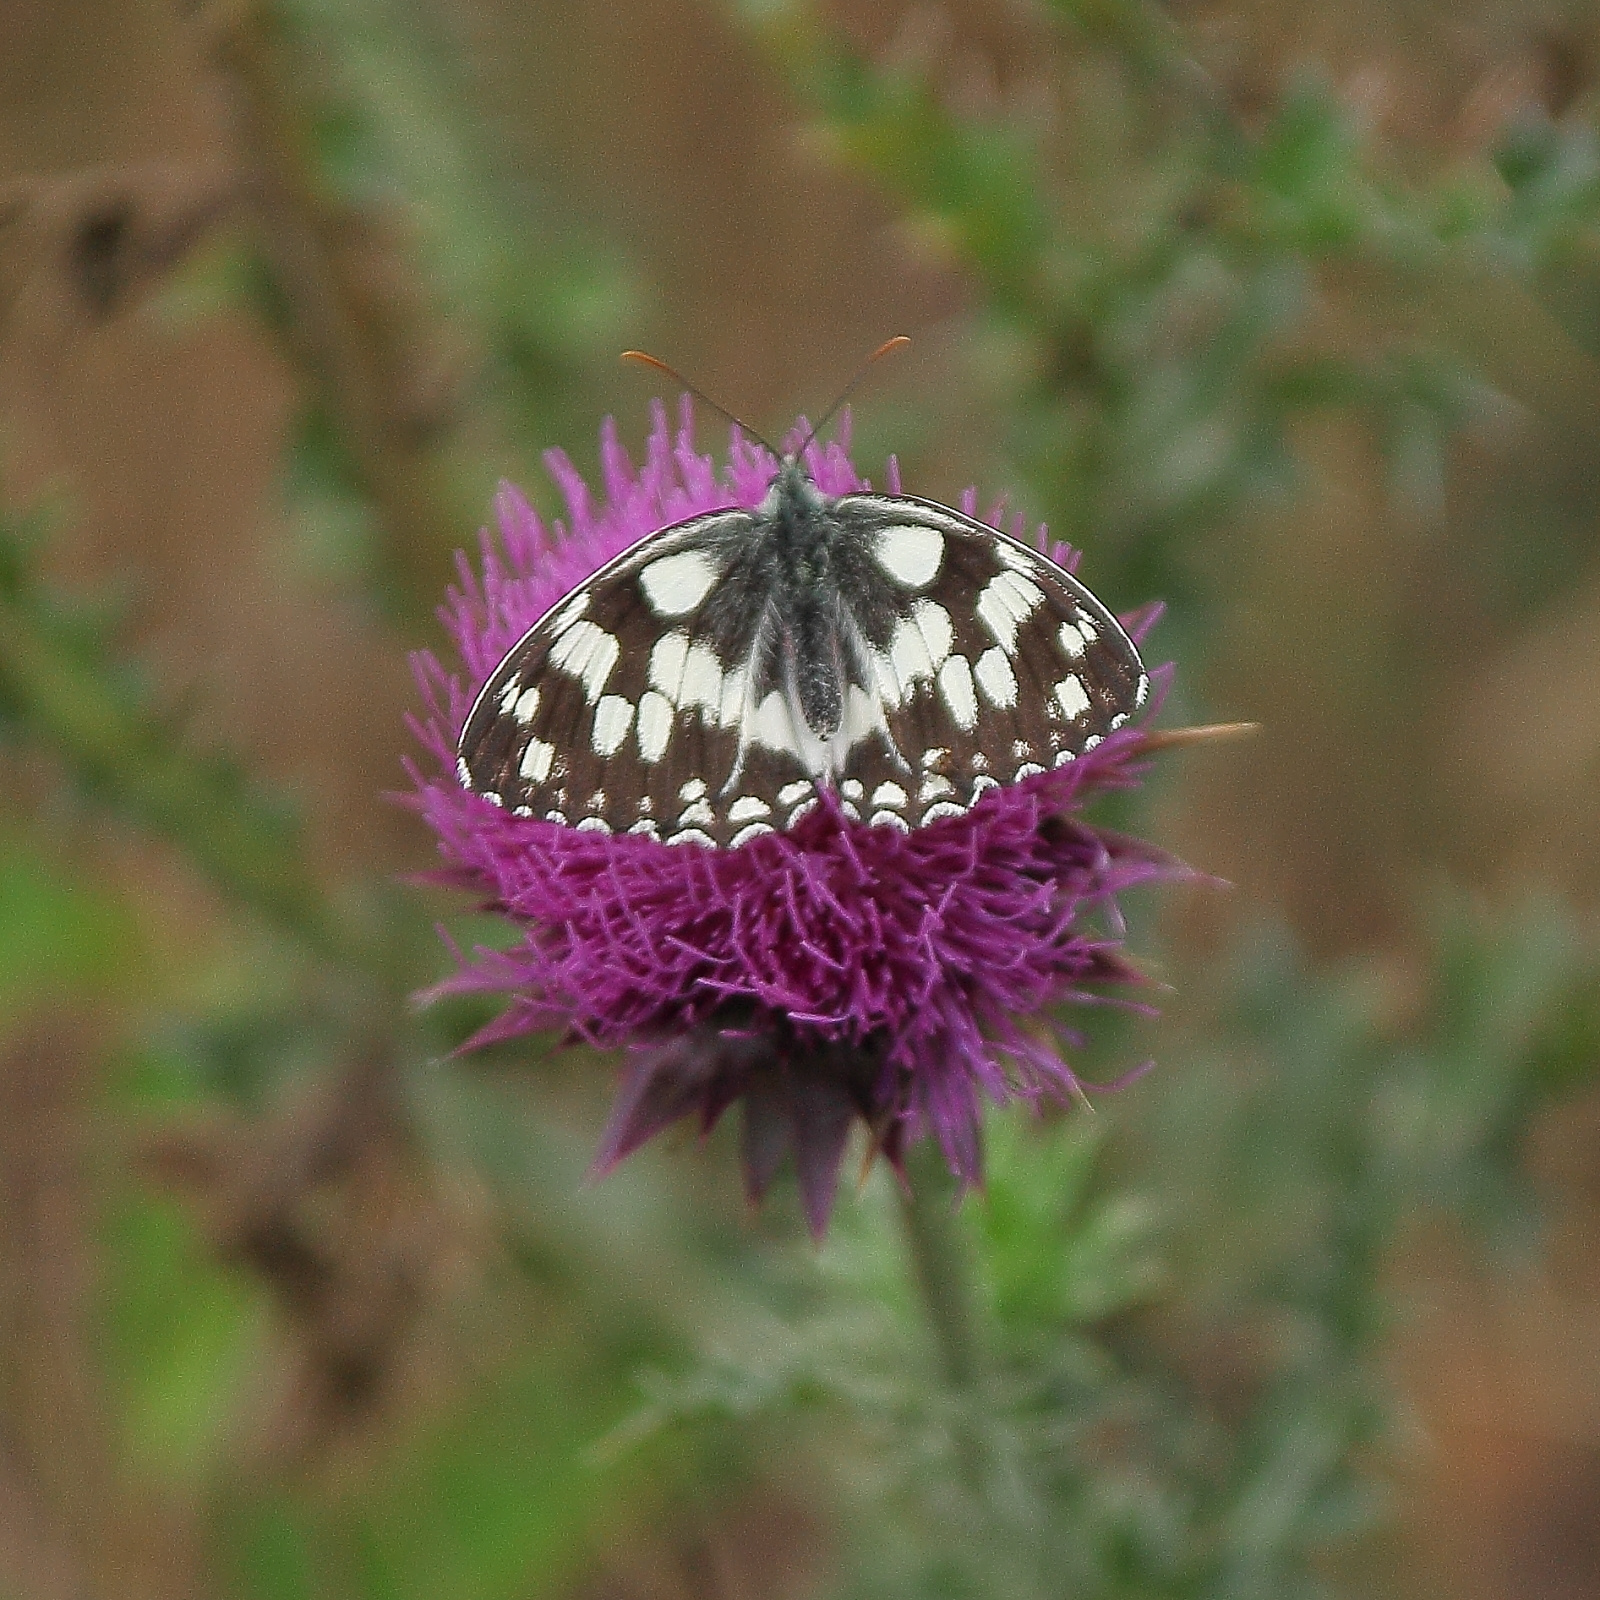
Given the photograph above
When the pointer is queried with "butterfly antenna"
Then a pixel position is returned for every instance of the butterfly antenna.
(899, 342)
(645, 359)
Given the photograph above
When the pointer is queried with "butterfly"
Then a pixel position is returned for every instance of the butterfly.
(706, 685)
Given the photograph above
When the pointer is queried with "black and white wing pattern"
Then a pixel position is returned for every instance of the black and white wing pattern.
(707, 683)
(1001, 664)
(612, 713)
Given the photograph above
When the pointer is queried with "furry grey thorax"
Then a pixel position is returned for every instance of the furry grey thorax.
(792, 600)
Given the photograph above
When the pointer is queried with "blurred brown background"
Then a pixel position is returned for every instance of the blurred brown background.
(755, 264)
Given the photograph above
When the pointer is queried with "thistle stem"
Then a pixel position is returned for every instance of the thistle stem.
(942, 1267)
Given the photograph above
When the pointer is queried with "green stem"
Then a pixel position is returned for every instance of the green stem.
(943, 1270)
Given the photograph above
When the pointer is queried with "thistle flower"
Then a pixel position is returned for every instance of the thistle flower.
(829, 971)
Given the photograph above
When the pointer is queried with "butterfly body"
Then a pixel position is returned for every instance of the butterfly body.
(707, 683)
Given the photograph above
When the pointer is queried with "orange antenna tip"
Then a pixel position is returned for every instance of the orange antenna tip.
(898, 342)
(1177, 738)
(644, 359)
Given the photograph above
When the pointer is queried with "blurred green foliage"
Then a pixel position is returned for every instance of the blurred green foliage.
(1160, 1370)
(1148, 268)
(1260, 1181)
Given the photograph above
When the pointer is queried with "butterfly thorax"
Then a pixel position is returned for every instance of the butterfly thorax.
(809, 562)
(797, 532)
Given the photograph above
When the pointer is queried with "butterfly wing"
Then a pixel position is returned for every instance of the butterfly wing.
(999, 663)
(614, 711)
(660, 696)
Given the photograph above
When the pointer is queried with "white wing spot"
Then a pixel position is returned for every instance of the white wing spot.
(1007, 599)
(943, 808)
(863, 716)
(508, 696)
(773, 725)
(935, 755)
(910, 554)
(463, 772)
(1072, 640)
(674, 585)
(934, 621)
(1086, 626)
(692, 836)
(921, 642)
(655, 724)
(744, 835)
(492, 798)
(570, 611)
(1093, 740)
(594, 825)
(996, 679)
(892, 691)
(981, 784)
(701, 680)
(890, 819)
(612, 719)
(933, 786)
(1073, 697)
(588, 653)
(666, 663)
(732, 698)
(1028, 769)
(852, 788)
(556, 816)
(536, 760)
(645, 826)
(1019, 560)
(694, 789)
(1064, 756)
(748, 808)
(699, 812)
(527, 706)
(955, 684)
(800, 810)
(792, 792)
(889, 794)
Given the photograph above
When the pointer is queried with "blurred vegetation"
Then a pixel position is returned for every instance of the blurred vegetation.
(294, 1306)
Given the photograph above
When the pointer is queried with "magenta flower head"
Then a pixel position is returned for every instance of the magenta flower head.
(860, 892)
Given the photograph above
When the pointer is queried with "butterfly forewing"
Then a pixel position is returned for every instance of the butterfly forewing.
(999, 665)
(618, 710)
(666, 695)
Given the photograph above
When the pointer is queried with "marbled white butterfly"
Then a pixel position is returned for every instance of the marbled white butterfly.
(704, 685)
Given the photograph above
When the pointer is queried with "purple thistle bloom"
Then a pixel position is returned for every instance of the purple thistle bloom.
(830, 971)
